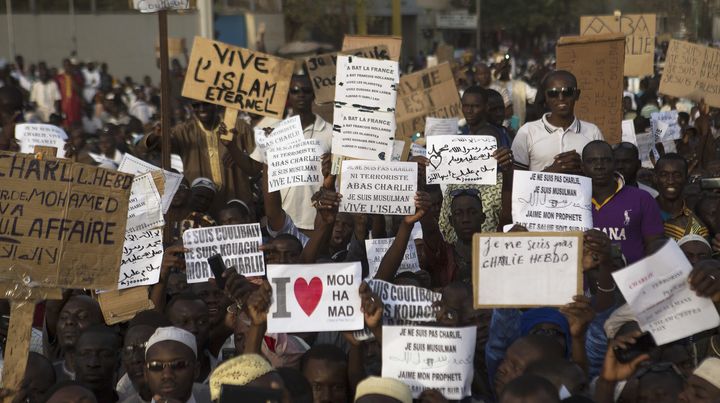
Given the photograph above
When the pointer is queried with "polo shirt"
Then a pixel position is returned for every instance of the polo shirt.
(627, 217)
(538, 142)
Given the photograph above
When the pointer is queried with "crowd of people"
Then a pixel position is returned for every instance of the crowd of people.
(199, 336)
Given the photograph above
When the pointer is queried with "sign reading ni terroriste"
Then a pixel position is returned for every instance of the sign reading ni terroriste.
(61, 223)
(237, 78)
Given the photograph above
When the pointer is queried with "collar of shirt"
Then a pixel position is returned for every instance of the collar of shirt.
(575, 126)
(316, 127)
(684, 211)
(620, 186)
(191, 400)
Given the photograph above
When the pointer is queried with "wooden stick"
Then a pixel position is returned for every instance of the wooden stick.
(17, 347)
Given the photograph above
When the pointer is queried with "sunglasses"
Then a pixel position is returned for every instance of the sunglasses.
(465, 192)
(566, 92)
(304, 90)
(157, 366)
(133, 349)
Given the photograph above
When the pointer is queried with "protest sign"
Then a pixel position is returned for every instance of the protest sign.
(135, 166)
(401, 150)
(285, 132)
(141, 258)
(371, 187)
(645, 145)
(322, 69)
(392, 43)
(363, 134)
(122, 305)
(664, 126)
(296, 164)
(657, 291)
(639, 40)
(239, 246)
(552, 202)
(417, 150)
(366, 83)
(597, 63)
(461, 159)
(315, 297)
(692, 71)
(405, 304)
(628, 131)
(423, 357)
(237, 78)
(144, 206)
(61, 223)
(152, 6)
(445, 53)
(376, 249)
(428, 92)
(29, 135)
(440, 126)
(526, 269)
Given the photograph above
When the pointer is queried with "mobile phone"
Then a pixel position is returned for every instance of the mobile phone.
(710, 183)
(643, 345)
(218, 268)
(249, 394)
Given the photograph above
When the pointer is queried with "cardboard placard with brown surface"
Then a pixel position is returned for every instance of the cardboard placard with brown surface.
(639, 40)
(62, 224)
(445, 53)
(692, 71)
(121, 305)
(393, 43)
(597, 62)
(428, 92)
(322, 69)
(237, 78)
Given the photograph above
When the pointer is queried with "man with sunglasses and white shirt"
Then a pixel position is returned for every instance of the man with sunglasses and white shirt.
(554, 143)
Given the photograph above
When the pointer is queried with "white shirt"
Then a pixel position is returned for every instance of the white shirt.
(141, 110)
(537, 143)
(45, 95)
(92, 83)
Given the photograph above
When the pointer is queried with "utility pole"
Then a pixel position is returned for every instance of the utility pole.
(396, 18)
(361, 13)
(478, 29)
(11, 30)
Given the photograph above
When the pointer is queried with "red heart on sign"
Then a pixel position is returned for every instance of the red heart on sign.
(308, 295)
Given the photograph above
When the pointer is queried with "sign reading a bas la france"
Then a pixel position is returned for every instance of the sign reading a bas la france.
(317, 297)
(237, 78)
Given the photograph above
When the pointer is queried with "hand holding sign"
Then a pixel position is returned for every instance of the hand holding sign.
(568, 162)
(704, 279)
(372, 307)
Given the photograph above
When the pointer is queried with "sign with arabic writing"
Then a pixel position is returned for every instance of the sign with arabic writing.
(141, 258)
(461, 160)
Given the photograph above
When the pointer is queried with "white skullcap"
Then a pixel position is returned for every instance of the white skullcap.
(204, 183)
(172, 333)
(709, 370)
(693, 238)
(385, 387)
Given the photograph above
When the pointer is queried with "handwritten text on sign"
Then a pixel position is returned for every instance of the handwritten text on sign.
(378, 187)
(30, 135)
(136, 166)
(363, 134)
(296, 164)
(144, 205)
(151, 6)
(424, 357)
(524, 269)
(378, 247)
(461, 159)
(367, 83)
(237, 78)
(552, 202)
(657, 291)
(141, 258)
(317, 297)
(239, 246)
(62, 223)
(284, 133)
(692, 71)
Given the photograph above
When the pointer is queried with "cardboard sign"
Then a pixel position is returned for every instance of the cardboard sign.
(144, 206)
(363, 134)
(639, 40)
(315, 297)
(371, 187)
(628, 132)
(322, 69)
(136, 166)
(141, 259)
(441, 126)
(428, 92)
(153, 6)
(297, 164)
(122, 305)
(237, 78)
(597, 63)
(239, 246)
(393, 43)
(552, 202)
(366, 83)
(657, 291)
(664, 126)
(30, 135)
(378, 247)
(425, 357)
(461, 159)
(692, 72)
(286, 132)
(61, 223)
(445, 53)
(523, 270)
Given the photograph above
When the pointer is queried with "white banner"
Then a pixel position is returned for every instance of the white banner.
(363, 134)
(136, 166)
(376, 249)
(29, 135)
(144, 205)
(441, 126)
(284, 133)
(141, 258)
(372, 187)
(297, 164)
(461, 159)
(367, 83)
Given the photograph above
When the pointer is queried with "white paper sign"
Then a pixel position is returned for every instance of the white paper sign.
(315, 297)
(144, 205)
(141, 258)
(645, 145)
(430, 358)
(239, 246)
(526, 270)
(376, 249)
(297, 164)
(405, 304)
(366, 83)
(664, 125)
(657, 291)
(284, 133)
(416, 150)
(398, 147)
(151, 6)
(552, 202)
(30, 135)
(136, 166)
(628, 132)
(441, 126)
(372, 187)
(461, 160)
(363, 134)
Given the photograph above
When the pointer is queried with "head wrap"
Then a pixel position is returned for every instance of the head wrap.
(204, 183)
(693, 238)
(385, 387)
(534, 317)
(617, 319)
(239, 370)
(709, 370)
(172, 333)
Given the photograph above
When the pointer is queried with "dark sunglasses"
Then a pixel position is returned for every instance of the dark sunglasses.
(465, 192)
(304, 90)
(157, 366)
(566, 92)
(133, 349)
